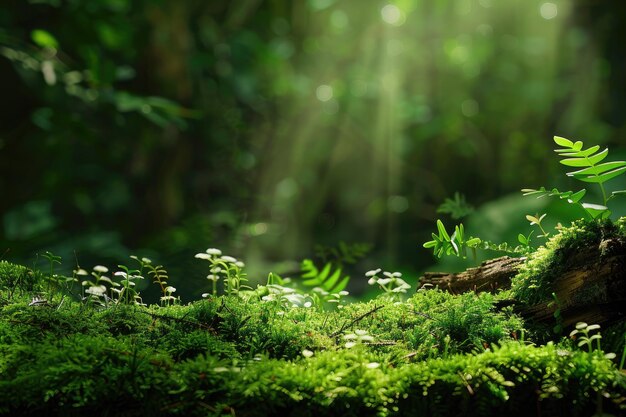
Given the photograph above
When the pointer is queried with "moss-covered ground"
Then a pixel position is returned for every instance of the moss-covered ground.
(433, 354)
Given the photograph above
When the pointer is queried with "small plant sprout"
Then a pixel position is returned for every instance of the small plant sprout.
(53, 279)
(457, 244)
(128, 294)
(168, 298)
(96, 289)
(321, 296)
(160, 277)
(224, 266)
(287, 297)
(525, 239)
(392, 283)
(536, 220)
(582, 333)
(357, 337)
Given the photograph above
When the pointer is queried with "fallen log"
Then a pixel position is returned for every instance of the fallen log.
(590, 285)
(491, 275)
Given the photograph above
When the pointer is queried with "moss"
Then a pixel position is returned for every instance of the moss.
(533, 283)
(433, 354)
(18, 279)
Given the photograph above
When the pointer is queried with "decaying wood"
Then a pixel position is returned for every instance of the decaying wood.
(590, 284)
(491, 275)
(591, 287)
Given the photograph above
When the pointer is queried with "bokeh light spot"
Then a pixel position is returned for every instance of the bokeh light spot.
(398, 203)
(339, 19)
(469, 108)
(324, 92)
(391, 14)
(258, 229)
(548, 11)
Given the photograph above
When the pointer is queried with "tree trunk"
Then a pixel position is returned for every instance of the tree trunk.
(590, 288)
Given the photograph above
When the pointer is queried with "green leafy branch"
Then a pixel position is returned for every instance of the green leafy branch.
(593, 171)
(457, 244)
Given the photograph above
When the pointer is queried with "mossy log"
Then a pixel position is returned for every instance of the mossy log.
(590, 285)
(491, 275)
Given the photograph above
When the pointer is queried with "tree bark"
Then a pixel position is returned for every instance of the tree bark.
(491, 275)
(590, 285)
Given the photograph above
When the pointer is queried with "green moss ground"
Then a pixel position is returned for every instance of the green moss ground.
(434, 354)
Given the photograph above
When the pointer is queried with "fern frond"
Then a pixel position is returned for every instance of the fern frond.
(331, 282)
(348, 253)
(457, 208)
(590, 160)
(159, 276)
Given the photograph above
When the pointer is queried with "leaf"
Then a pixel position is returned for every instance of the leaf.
(595, 209)
(577, 196)
(522, 239)
(598, 169)
(603, 177)
(331, 283)
(532, 219)
(457, 207)
(531, 191)
(442, 231)
(44, 39)
(474, 242)
(340, 284)
(310, 268)
(584, 162)
(430, 244)
(582, 154)
(563, 142)
(616, 194)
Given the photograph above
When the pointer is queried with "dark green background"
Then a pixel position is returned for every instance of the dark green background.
(161, 128)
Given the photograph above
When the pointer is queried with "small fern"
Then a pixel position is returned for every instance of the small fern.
(457, 208)
(348, 253)
(159, 276)
(331, 282)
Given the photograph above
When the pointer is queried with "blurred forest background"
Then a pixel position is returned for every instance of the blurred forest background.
(268, 128)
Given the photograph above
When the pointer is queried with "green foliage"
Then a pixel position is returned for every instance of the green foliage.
(458, 243)
(224, 267)
(533, 283)
(253, 356)
(343, 253)
(391, 283)
(331, 282)
(127, 292)
(536, 220)
(592, 172)
(457, 207)
(576, 156)
(588, 159)
(18, 279)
